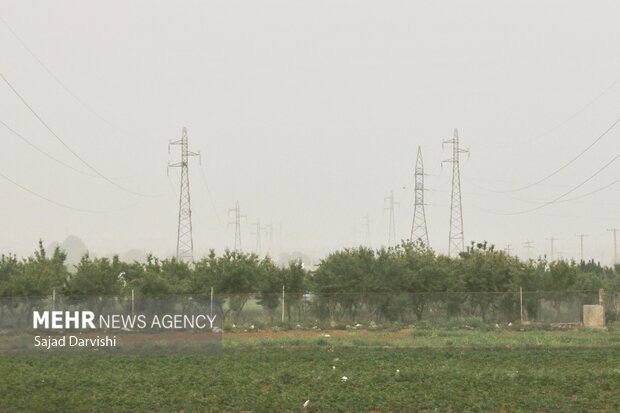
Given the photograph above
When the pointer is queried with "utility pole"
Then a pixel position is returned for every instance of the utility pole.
(366, 221)
(259, 229)
(508, 248)
(581, 236)
(457, 236)
(392, 224)
(279, 232)
(185, 242)
(419, 231)
(615, 231)
(552, 241)
(528, 245)
(237, 223)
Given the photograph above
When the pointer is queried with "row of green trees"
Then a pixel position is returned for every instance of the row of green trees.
(343, 282)
(405, 268)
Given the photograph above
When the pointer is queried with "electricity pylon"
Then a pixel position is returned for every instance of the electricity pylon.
(392, 224)
(552, 241)
(419, 232)
(615, 231)
(528, 245)
(269, 231)
(259, 229)
(185, 242)
(457, 238)
(237, 223)
(366, 220)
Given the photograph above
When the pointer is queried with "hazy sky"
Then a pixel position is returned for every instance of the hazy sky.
(309, 113)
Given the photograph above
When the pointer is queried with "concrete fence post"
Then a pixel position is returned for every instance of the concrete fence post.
(521, 302)
(211, 303)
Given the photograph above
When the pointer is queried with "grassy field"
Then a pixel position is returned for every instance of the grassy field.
(400, 371)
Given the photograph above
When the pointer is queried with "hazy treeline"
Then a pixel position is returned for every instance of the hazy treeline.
(343, 282)
(406, 268)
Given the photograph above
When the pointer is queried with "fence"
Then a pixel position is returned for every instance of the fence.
(329, 310)
(390, 309)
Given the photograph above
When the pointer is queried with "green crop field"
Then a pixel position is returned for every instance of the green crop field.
(401, 371)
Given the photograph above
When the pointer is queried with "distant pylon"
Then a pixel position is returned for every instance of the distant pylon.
(552, 242)
(419, 232)
(615, 232)
(269, 231)
(259, 229)
(581, 237)
(366, 220)
(528, 245)
(185, 242)
(237, 223)
(392, 224)
(457, 237)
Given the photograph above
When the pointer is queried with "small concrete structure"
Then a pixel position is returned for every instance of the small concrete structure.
(593, 316)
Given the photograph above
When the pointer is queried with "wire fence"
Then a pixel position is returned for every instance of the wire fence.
(331, 310)
(365, 310)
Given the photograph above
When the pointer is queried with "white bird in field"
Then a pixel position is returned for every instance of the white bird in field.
(344, 379)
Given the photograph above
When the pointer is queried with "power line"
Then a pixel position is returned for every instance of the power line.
(210, 196)
(24, 139)
(575, 158)
(564, 122)
(61, 83)
(51, 201)
(553, 201)
(592, 192)
(65, 144)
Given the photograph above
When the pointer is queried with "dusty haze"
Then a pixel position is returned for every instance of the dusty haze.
(309, 113)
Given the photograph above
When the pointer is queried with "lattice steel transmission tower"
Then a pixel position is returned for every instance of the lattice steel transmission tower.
(392, 224)
(457, 237)
(528, 245)
(270, 233)
(552, 241)
(615, 232)
(366, 221)
(185, 242)
(259, 229)
(419, 232)
(237, 223)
